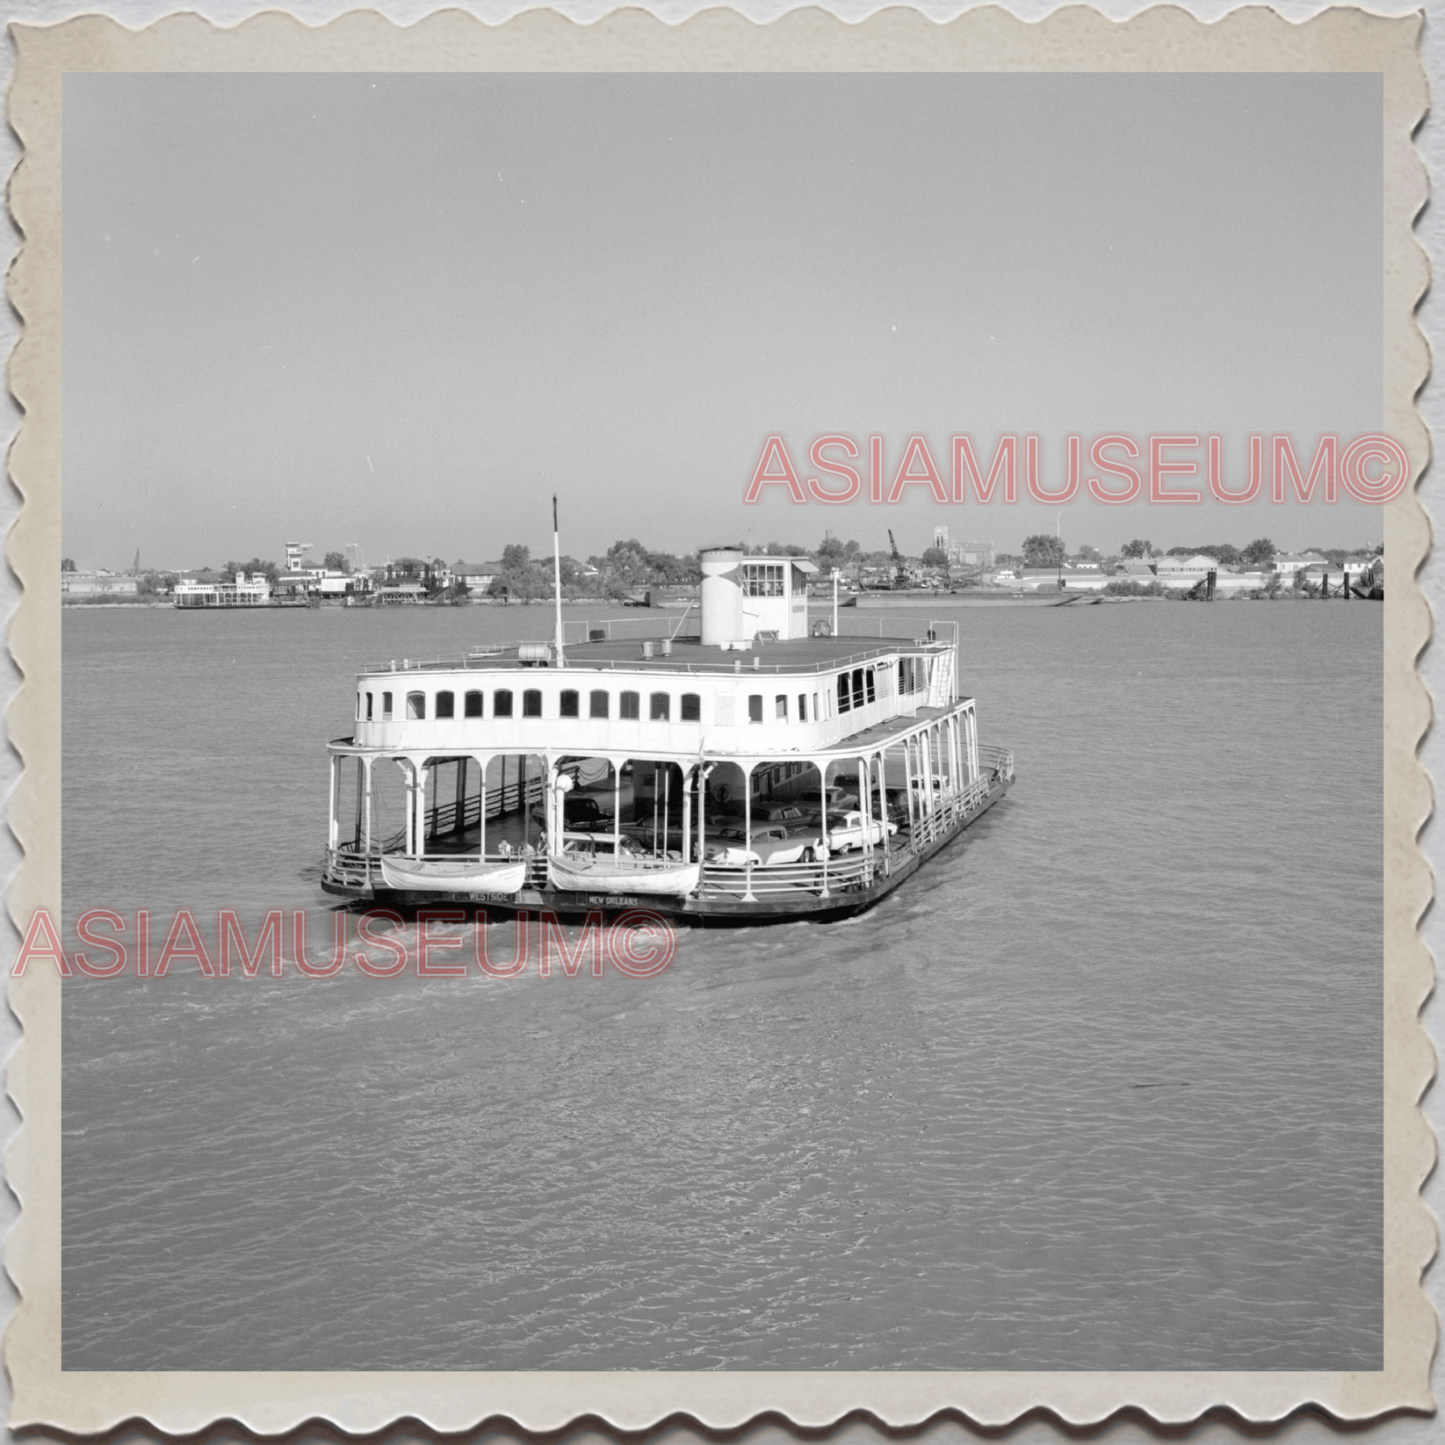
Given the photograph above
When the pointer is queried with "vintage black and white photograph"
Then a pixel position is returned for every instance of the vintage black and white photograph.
(723, 722)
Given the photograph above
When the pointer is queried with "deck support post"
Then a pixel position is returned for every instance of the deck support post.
(908, 791)
(823, 840)
(748, 895)
(333, 795)
(408, 840)
(481, 805)
(704, 771)
(925, 769)
(360, 798)
(686, 817)
(616, 766)
(876, 782)
(366, 765)
(419, 809)
(552, 806)
(865, 805)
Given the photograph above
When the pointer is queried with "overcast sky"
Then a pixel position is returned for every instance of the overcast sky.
(403, 310)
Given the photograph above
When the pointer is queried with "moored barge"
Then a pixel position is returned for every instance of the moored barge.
(749, 769)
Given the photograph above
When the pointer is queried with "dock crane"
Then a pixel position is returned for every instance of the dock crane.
(900, 577)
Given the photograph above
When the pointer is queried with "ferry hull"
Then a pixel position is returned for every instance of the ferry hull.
(710, 910)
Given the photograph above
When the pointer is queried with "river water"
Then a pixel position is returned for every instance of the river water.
(1099, 1089)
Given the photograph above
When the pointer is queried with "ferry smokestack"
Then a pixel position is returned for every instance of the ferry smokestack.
(722, 596)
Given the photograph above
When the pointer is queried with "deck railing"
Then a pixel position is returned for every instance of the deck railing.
(920, 632)
(355, 867)
(996, 760)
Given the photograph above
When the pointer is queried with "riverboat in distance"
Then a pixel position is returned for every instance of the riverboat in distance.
(701, 773)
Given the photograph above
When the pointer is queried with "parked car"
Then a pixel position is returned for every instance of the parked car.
(664, 837)
(592, 845)
(579, 815)
(897, 800)
(811, 799)
(846, 831)
(790, 815)
(770, 843)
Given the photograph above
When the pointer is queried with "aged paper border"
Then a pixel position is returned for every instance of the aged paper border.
(1075, 39)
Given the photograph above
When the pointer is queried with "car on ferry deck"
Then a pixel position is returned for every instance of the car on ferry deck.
(846, 831)
(770, 843)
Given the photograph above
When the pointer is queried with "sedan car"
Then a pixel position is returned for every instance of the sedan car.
(847, 831)
(770, 843)
(812, 798)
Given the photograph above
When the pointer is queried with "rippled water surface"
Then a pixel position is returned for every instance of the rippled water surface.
(1099, 1089)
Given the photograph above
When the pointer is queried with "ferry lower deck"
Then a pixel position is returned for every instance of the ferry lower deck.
(820, 836)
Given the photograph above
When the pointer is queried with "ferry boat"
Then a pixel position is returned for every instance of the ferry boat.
(737, 767)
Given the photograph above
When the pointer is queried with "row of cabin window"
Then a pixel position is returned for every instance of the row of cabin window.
(629, 705)
(570, 703)
(855, 689)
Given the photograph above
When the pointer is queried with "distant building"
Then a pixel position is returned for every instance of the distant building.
(94, 584)
(1035, 579)
(475, 576)
(391, 593)
(963, 554)
(1288, 563)
(342, 584)
(1196, 566)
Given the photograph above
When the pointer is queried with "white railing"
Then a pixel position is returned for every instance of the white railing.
(775, 880)
(998, 761)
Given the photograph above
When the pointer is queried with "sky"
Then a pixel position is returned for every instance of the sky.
(403, 310)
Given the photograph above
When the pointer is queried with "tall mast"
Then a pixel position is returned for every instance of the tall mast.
(557, 578)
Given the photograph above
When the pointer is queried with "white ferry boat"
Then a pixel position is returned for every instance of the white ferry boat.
(747, 769)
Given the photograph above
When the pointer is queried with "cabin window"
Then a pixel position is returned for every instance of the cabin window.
(781, 706)
(857, 687)
(868, 684)
(358, 707)
(571, 703)
(691, 707)
(502, 702)
(599, 704)
(630, 706)
(755, 707)
(802, 707)
(844, 697)
(816, 714)
(416, 704)
(762, 579)
(474, 704)
(386, 707)
(446, 704)
(661, 707)
(532, 703)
